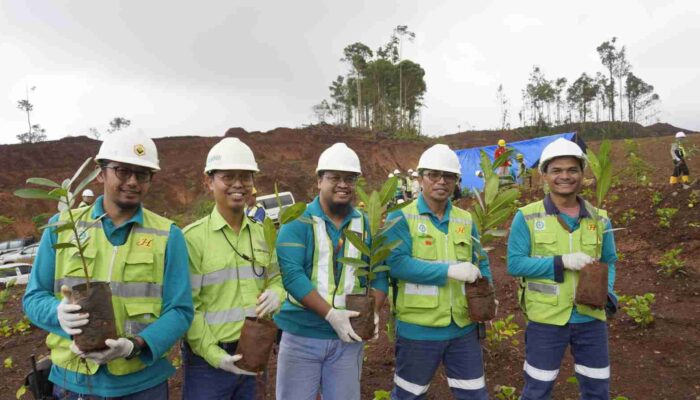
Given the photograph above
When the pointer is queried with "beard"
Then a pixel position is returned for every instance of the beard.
(340, 208)
(124, 206)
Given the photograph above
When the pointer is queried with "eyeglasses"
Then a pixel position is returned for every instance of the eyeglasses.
(123, 173)
(228, 178)
(349, 180)
(435, 176)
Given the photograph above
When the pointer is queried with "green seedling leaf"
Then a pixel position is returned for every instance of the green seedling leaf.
(398, 206)
(355, 262)
(374, 213)
(377, 242)
(35, 194)
(388, 225)
(362, 194)
(381, 268)
(388, 190)
(43, 182)
(54, 224)
(292, 212)
(491, 189)
(59, 192)
(91, 177)
(357, 241)
(7, 363)
(59, 246)
(77, 173)
(379, 256)
(21, 392)
(270, 233)
(361, 272)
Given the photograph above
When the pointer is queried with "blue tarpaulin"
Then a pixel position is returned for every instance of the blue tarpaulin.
(531, 150)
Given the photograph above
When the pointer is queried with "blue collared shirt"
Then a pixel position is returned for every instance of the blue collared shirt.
(407, 268)
(40, 306)
(520, 264)
(295, 254)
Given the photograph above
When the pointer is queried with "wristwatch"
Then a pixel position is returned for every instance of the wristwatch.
(139, 345)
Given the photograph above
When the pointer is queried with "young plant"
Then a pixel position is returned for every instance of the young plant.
(7, 363)
(6, 292)
(506, 392)
(601, 166)
(693, 198)
(671, 264)
(501, 331)
(628, 216)
(63, 195)
(665, 216)
(656, 198)
(382, 395)
(639, 308)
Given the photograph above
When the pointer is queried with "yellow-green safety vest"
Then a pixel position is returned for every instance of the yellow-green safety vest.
(430, 305)
(323, 275)
(226, 285)
(134, 271)
(545, 300)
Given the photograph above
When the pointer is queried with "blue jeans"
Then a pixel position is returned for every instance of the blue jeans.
(158, 392)
(307, 365)
(417, 361)
(204, 382)
(544, 349)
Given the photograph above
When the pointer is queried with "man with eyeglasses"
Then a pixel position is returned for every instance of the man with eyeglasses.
(438, 253)
(143, 256)
(550, 241)
(320, 352)
(229, 260)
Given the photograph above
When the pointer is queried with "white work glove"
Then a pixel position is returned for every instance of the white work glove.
(376, 326)
(119, 348)
(228, 364)
(68, 317)
(268, 303)
(576, 261)
(465, 272)
(340, 321)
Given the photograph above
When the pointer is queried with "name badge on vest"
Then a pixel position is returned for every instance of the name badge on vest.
(422, 228)
(539, 225)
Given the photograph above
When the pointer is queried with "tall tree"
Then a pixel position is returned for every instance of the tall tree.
(640, 96)
(581, 93)
(608, 56)
(342, 109)
(118, 123)
(559, 97)
(622, 68)
(356, 55)
(35, 133)
(503, 105)
(322, 110)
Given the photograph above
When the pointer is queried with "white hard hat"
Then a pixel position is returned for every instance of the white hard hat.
(478, 173)
(396, 172)
(130, 147)
(391, 175)
(414, 174)
(680, 135)
(561, 148)
(410, 171)
(88, 192)
(231, 153)
(440, 158)
(339, 157)
(400, 201)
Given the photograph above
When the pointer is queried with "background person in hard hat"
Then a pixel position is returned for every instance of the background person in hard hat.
(319, 351)
(521, 170)
(680, 167)
(550, 241)
(147, 257)
(504, 169)
(254, 209)
(228, 258)
(415, 185)
(88, 197)
(436, 257)
(408, 180)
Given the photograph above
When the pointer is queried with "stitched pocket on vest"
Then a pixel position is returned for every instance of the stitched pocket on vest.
(461, 245)
(139, 267)
(424, 247)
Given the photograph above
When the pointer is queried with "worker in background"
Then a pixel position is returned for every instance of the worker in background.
(550, 241)
(504, 169)
(407, 183)
(88, 197)
(143, 256)
(521, 170)
(398, 194)
(415, 184)
(319, 351)
(254, 209)
(437, 254)
(680, 167)
(228, 262)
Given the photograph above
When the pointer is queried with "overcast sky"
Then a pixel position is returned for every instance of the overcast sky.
(198, 68)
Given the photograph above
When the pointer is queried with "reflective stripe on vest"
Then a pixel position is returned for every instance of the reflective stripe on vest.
(545, 300)
(135, 275)
(430, 305)
(323, 276)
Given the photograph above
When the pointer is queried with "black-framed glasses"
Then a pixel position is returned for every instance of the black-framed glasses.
(124, 173)
(335, 179)
(435, 176)
(229, 177)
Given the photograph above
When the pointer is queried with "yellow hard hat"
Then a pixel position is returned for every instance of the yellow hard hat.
(255, 191)
(501, 142)
(519, 157)
(361, 204)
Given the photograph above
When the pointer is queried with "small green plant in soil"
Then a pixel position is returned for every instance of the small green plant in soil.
(656, 198)
(693, 198)
(503, 392)
(21, 392)
(7, 363)
(382, 395)
(671, 264)
(665, 215)
(6, 292)
(501, 331)
(639, 308)
(628, 216)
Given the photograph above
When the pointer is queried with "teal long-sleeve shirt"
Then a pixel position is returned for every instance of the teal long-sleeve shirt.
(40, 306)
(407, 268)
(521, 264)
(295, 254)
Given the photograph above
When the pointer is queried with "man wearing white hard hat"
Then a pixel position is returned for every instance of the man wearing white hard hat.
(550, 241)
(88, 197)
(415, 185)
(437, 255)
(320, 352)
(228, 257)
(680, 166)
(143, 256)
